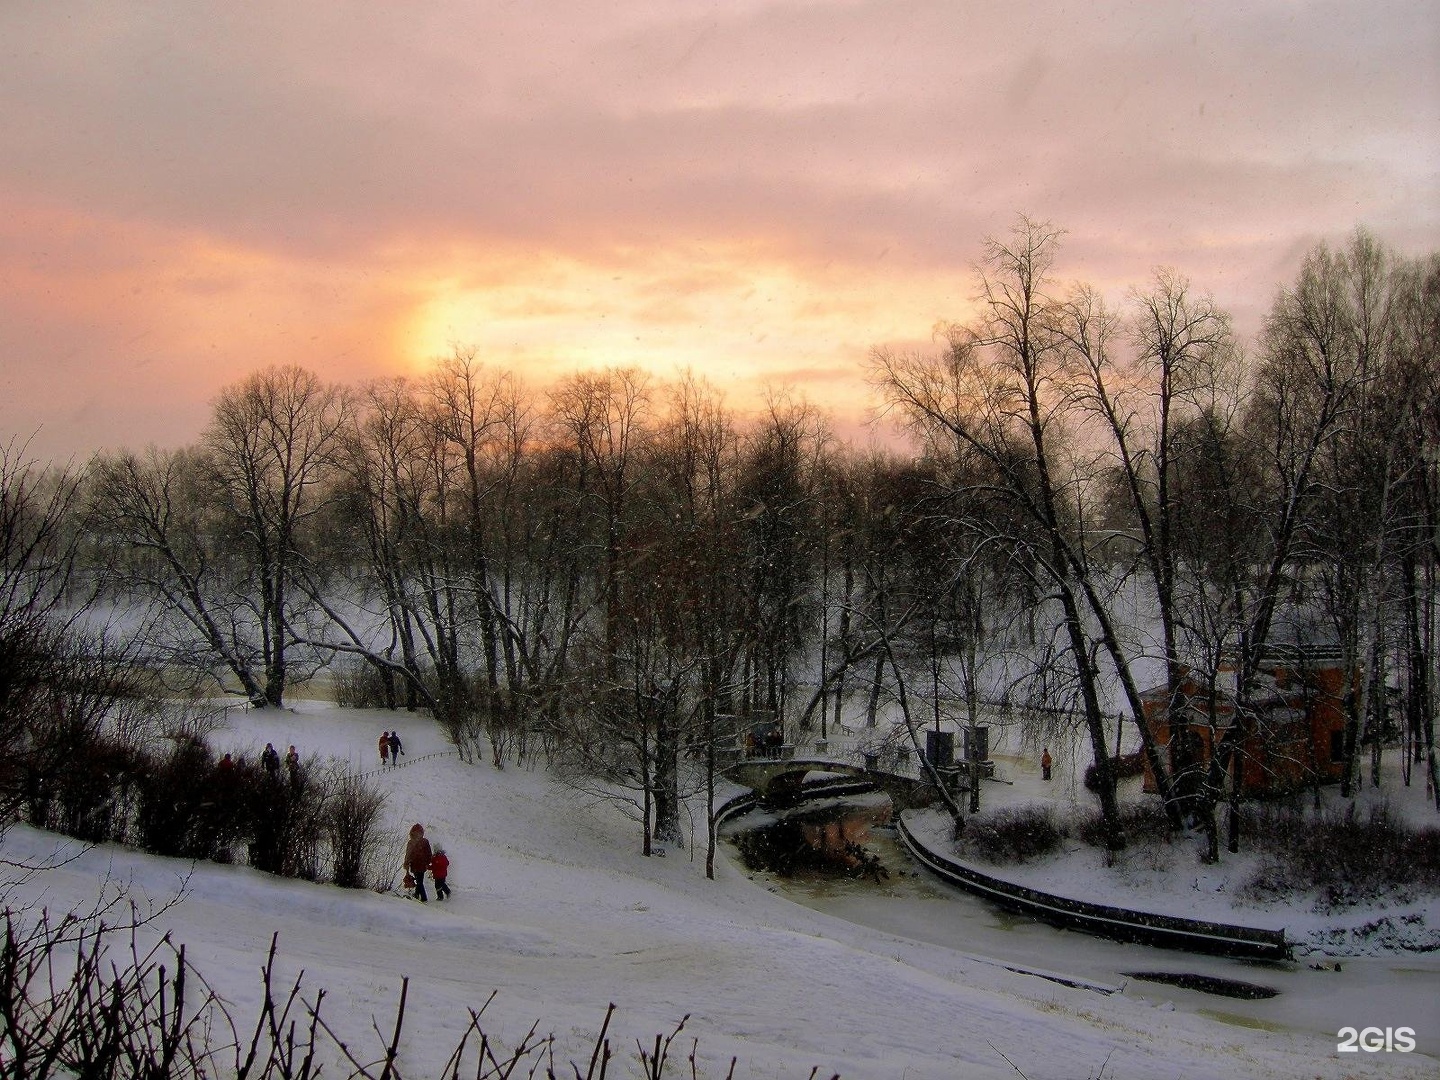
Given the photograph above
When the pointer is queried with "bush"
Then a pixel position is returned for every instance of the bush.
(96, 791)
(1124, 767)
(189, 807)
(285, 815)
(66, 701)
(351, 827)
(361, 685)
(182, 803)
(1344, 857)
(1143, 820)
(78, 1002)
(1013, 835)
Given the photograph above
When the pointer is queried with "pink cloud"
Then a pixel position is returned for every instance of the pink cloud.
(212, 187)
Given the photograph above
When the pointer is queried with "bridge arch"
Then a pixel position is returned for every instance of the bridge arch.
(781, 781)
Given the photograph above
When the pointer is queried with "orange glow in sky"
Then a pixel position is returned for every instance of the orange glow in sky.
(744, 317)
(758, 192)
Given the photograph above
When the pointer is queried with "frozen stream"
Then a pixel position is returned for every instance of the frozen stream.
(1380, 992)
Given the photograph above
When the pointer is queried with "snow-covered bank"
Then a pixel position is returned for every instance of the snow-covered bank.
(1171, 878)
(556, 910)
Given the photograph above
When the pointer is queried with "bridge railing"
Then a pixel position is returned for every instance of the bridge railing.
(1102, 920)
(735, 806)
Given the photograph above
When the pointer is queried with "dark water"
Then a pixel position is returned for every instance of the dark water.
(816, 841)
(1209, 984)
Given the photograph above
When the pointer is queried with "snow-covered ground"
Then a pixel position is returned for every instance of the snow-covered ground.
(1171, 878)
(556, 910)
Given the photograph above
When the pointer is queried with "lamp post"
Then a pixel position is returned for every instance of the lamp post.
(975, 753)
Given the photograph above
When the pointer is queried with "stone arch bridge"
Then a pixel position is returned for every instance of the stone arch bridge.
(779, 781)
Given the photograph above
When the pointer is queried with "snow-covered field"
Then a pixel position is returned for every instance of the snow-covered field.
(556, 910)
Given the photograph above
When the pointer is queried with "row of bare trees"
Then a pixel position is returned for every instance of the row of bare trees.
(600, 573)
(1179, 502)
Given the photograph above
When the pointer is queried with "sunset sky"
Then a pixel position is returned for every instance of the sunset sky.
(759, 191)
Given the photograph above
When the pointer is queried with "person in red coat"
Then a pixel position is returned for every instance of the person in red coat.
(384, 745)
(440, 870)
(417, 860)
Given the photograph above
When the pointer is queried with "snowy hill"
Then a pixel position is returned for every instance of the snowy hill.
(555, 909)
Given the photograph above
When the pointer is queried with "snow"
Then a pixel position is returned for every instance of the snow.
(556, 910)
(1171, 877)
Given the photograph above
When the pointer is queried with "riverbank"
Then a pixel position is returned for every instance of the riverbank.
(1167, 876)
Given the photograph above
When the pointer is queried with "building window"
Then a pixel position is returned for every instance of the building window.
(1337, 745)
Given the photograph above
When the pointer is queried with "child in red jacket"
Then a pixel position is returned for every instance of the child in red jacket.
(439, 870)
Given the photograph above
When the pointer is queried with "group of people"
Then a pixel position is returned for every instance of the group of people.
(270, 762)
(390, 748)
(420, 858)
(767, 743)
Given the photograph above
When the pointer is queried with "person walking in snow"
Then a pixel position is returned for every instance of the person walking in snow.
(417, 860)
(395, 748)
(384, 748)
(1045, 763)
(292, 766)
(440, 870)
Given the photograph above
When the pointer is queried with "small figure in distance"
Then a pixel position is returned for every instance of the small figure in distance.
(417, 859)
(384, 748)
(395, 748)
(1045, 763)
(270, 761)
(440, 870)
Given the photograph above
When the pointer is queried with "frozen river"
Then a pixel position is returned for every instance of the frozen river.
(1384, 992)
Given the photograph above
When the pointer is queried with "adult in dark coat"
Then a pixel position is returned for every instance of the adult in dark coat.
(417, 860)
(395, 748)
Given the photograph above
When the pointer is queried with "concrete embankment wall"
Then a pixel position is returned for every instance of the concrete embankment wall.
(1103, 920)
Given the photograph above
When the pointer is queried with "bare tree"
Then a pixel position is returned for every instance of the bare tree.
(400, 486)
(477, 413)
(272, 441)
(696, 463)
(1350, 300)
(1001, 392)
(607, 418)
(373, 522)
(162, 541)
(1417, 366)
(40, 532)
(1181, 370)
(776, 490)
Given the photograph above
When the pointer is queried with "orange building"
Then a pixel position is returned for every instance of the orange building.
(1297, 736)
